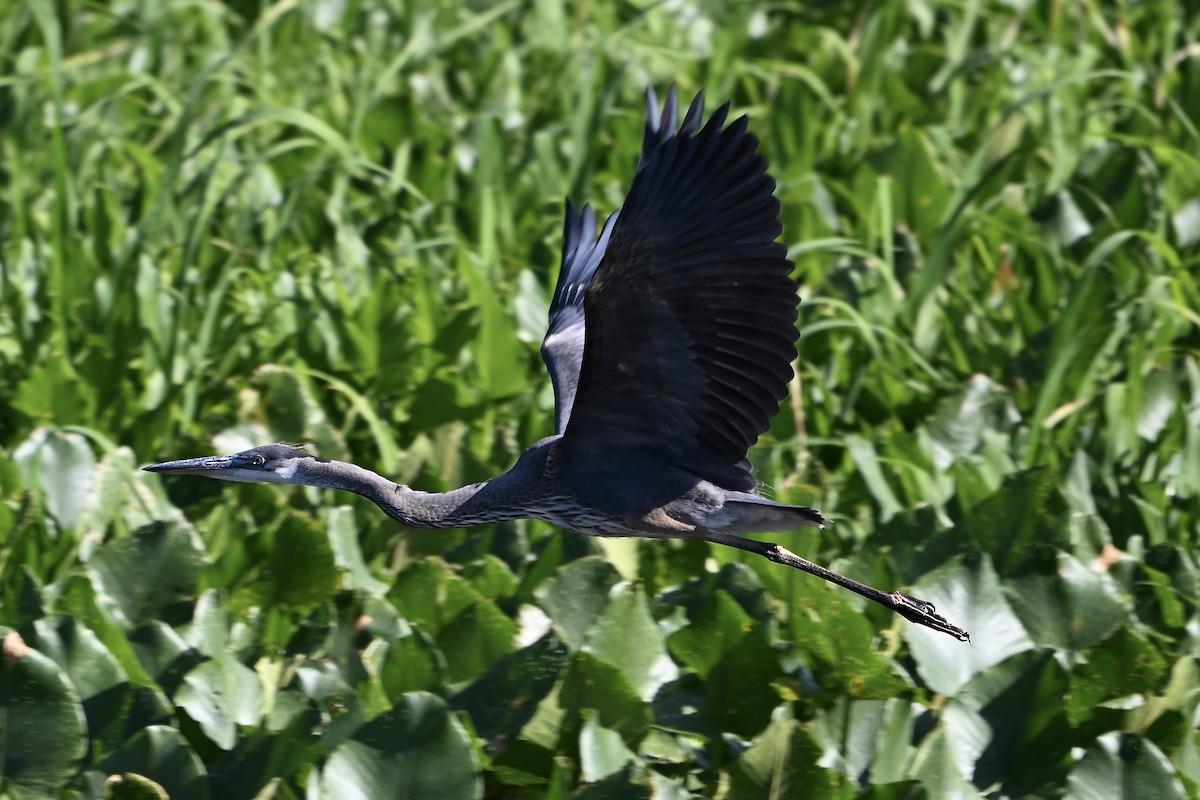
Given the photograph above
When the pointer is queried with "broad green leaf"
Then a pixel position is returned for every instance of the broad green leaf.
(416, 750)
(62, 464)
(259, 766)
(825, 623)
(1005, 524)
(491, 577)
(957, 427)
(1123, 665)
(968, 593)
(219, 695)
(1070, 610)
(475, 639)
(782, 762)
(101, 683)
(163, 654)
(299, 571)
(715, 630)
(209, 631)
(866, 461)
(1124, 765)
(341, 710)
(624, 635)
(1160, 399)
(342, 529)
(683, 706)
(622, 785)
(745, 685)
(594, 684)
(151, 574)
(162, 755)
(430, 594)
(53, 392)
(505, 697)
(601, 751)
(576, 595)
(43, 732)
(1008, 724)
(937, 765)
(413, 663)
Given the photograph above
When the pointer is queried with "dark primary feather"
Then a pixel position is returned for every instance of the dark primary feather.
(690, 311)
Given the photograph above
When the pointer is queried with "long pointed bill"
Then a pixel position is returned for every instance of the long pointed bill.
(194, 466)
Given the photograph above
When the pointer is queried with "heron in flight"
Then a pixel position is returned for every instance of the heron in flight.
(669, 347)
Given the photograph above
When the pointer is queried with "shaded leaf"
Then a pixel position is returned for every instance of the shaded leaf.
(160, 754)
(1124, 664)
(150, 574)
(594, 684)
(43, 732)
(505, 697)
(715, 629)
(782, 762)
(1004, 525)
(825, 622)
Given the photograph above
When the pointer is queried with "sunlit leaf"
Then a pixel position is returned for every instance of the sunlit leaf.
(62, 464)
(576, 595)
(416, 750)
(624, 635)
(1121, 765)
(968, 593)
(601, 751)
(1070, 610)
(220, 695)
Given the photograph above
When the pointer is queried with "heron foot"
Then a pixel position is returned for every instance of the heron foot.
(925, 613)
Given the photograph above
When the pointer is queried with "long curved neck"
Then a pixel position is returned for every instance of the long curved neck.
(460, 508)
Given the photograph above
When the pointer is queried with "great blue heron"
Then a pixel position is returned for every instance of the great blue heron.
(670, 345)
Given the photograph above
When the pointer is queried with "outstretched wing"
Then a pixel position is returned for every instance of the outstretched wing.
(562, 347)
(691, 309)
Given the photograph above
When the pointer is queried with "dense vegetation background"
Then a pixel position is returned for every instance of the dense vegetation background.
(337, 222)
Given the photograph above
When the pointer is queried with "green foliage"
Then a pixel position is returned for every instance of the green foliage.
(338, 223)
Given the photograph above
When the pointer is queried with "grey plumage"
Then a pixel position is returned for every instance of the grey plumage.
(669, 346)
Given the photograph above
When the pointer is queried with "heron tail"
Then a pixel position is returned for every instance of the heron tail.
(746, 513)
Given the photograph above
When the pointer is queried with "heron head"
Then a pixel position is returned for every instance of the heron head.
(272, 463)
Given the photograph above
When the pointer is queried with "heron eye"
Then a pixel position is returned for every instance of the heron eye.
(258, 461)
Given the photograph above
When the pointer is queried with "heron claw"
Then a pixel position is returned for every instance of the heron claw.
(925, 613)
